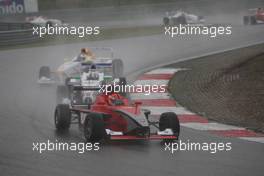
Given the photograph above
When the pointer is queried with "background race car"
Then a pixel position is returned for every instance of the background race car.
(44, 21)
(85, 70)
(181, 17)
(255, 16)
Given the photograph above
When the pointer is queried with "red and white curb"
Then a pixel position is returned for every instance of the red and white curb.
(158, 103)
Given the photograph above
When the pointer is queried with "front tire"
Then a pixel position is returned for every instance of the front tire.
(123, 83)
(170, 120)
(253, 20)
(94, 128)
(246, 20)
(62, 117)
(166, 21)
(44, 71)
(49, 24)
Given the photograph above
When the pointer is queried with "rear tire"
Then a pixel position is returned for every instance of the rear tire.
(118, 68)
(94, 128)
(62, 117)
(44, 71)
(246, 20)
(49, 24)
(179, 20)
(166, 21)
(182, 20)
(253, 20)
(123, 83)
(170, 120)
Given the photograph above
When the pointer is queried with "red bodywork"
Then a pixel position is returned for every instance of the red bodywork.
(260, 15)
(116, 122)
(104, 105)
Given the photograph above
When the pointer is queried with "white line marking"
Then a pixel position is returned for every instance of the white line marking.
(211, 126)
(159, 110)
(152, 95)
(254, 139)
(164, 71)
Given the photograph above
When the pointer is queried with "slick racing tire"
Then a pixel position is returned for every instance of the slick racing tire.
(49, 24)
(44, 71)
(166, 21)
(170, 120)
(61, 94)
(94, 128)
(123, 83)
(62, 117)
(253, 20)
(246, 20)
(118, 68)
(182, 20)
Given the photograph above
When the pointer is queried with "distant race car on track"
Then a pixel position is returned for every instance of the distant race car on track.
(113, 117)
(44, 21)
(255, 16)
(181, 17)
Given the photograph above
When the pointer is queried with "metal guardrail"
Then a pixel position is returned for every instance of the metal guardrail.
(5, 26)
(16, 34)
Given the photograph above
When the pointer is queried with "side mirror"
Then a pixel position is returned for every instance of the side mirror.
(146, 112)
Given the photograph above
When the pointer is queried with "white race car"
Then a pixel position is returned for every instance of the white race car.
(254, 16)
(82, 90)
(44, 21)
(181, 17)
(111, 68)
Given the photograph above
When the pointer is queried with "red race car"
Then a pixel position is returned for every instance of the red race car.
(256, 16)
(113, 117)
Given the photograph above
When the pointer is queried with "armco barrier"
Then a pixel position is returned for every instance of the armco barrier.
(5, 26)
(16, 33)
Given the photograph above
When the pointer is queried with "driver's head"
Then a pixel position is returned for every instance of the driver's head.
(89, 52)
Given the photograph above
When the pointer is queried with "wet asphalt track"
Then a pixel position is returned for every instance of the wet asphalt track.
(26, 114)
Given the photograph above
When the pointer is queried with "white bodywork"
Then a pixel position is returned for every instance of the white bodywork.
(75, 67)
(190, 18)
(78, 65)
(42, 21)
